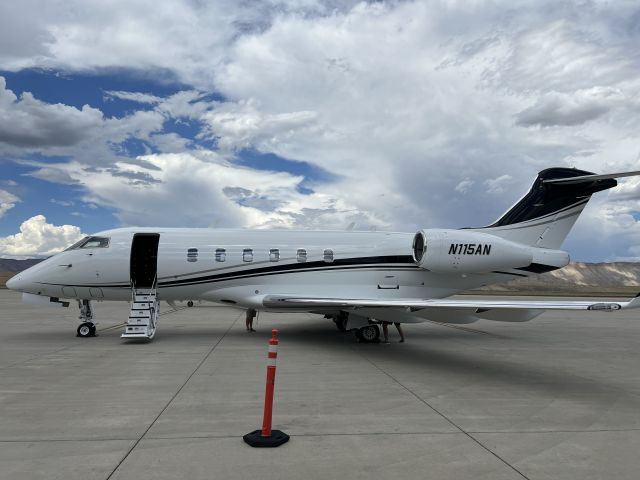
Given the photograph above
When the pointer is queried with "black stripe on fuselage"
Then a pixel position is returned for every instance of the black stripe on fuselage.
(340, 264)
(533, 268)
(510, 273)
(538, 268)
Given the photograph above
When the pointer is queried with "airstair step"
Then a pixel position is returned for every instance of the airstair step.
(142, 333)
(144, 298)
(138, 321)
(145, 290)
(141, 305)
(143, 314)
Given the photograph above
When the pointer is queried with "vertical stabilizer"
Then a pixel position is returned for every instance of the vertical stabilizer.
(546, 214)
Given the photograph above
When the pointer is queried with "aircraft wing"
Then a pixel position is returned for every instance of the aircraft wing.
(479, 305)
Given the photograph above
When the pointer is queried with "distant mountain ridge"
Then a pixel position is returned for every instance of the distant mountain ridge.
(616, 278)
(604, 274)
(15, 266)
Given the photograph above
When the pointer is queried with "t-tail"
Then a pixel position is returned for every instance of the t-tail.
(546, 214)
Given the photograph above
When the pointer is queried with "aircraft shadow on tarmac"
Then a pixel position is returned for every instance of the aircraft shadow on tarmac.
(477, 360)
(436, 350)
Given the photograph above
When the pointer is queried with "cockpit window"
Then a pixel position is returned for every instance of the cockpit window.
(90, 242)
(76, 245)
(96, 242)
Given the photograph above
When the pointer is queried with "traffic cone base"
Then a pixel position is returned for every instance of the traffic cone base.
(255, 439)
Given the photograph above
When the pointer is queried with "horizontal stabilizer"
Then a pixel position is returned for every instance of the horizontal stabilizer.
(591, 178)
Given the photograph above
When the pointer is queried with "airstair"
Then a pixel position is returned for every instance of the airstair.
(144, 313)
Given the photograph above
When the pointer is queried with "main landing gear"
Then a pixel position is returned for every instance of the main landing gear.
(368, 334)
(341, 321)
(87, 328)
(365, 330)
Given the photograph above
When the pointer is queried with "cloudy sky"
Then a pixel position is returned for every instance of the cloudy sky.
(311, 114)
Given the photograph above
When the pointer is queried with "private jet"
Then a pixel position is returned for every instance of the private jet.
(356, 279)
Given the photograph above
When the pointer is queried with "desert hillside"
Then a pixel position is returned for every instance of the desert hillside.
(617, 278)
(9, 267)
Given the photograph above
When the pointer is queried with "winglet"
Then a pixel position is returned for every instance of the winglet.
(605, 307)
(635, 303)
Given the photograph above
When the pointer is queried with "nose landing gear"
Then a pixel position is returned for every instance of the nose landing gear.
(87, 328)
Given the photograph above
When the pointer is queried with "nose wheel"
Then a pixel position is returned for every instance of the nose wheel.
(87, 328)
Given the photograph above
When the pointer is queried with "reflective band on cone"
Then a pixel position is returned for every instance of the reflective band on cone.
(268, 437)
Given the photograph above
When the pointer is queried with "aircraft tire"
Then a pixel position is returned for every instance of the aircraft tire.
(368, 334)
(86, 329)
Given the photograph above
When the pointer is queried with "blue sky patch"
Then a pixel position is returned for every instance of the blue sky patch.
(268, 161)
(61, 204)
(80, 89)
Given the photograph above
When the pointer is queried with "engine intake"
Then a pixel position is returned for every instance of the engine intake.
(460, 251)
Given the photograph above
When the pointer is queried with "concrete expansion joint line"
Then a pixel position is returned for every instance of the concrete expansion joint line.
(207, 355)
(326, 434)
(451, 422)
(35, 357)
(173, 310)
(308, 435)
(113, 327)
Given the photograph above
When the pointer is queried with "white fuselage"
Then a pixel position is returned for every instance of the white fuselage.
(255, 263)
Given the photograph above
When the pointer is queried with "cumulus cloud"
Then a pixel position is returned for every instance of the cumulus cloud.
(570, 109)
(141, 35)
(206, 190)
(31, 125)
(464, 185)
(138, 97)
(497, 185)
(7, 202)
(628, 189)
(411, 106)
(54, 175)
(28, 122)
(62, 203)
(571, 47)
(38, 238)
(243, 125)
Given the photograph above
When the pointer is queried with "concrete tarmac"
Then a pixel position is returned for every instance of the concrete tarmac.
(557, 397)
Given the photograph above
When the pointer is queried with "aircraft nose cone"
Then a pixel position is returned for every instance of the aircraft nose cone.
(14, 282)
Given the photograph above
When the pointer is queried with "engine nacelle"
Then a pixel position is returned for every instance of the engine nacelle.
(460, 251)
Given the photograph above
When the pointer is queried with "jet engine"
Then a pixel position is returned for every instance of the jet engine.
(461, 251)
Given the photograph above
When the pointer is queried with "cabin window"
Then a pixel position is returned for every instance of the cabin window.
(247, 255)
(301, 255)
(90, 242)
(274, 255)
(221, 254)
(192, 255)
(328, 255)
